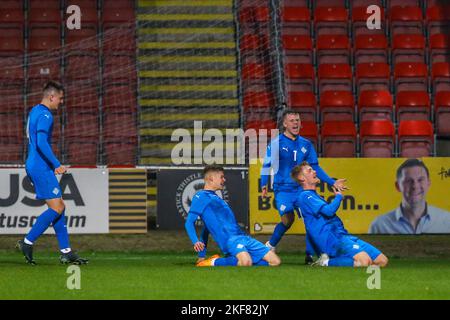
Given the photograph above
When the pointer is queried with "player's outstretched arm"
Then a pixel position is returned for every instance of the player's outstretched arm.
(204, 235)
(189, 225)
(46, 150)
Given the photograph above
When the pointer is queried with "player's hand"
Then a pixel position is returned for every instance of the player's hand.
(336, 191)
(264, 192)
(340, 185)
(199, 246)
(60, 170)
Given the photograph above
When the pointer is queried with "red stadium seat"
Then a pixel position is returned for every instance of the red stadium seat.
(119, 68)
(410, 76)
(403, 3)
(81, 97)
(375, 105)
(252, 44)
(439, 50)
(441, 76)
(83, 40)
(11, 4)
(336, 77)
(121, 152)
(12, 125)
(295, 3)
(255, 72)
(338, 139)
(373, 76)
(45, 4)
(359, 22)
(12, 150)
(305, 103)
(81, 125)
(81, 151)
(119, 125)
(298, 48)
(406, 20)
(416, 138)
(44, 39)
(12, 98)
(442, 113)
(10, 46)
(44, 67)
(254, 15)
(118, 4)
(82, 67)
(437, 19)
(310, 131)
(330, 3)
(413, 105)
(119, 39)
(371, 48)
(121, 96)
(296, 20)
(263, 124)
(377, 139)
(408, 48)
(12, 69)
(44, 16)
(333, 49)
(336, 106)
(259, 100)
(118, 15)
(365, 3)
(300, 77)
(11, 17)
(330, 20)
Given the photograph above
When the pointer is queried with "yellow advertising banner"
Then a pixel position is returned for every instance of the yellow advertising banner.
(372, 194)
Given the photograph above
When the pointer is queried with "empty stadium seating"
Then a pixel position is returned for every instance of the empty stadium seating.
(377, 139)
(338, 139)
(415, 138)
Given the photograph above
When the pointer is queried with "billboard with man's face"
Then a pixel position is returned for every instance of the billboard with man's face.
(376, 203)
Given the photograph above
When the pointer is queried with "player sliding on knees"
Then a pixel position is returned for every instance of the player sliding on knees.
(239, 248)
(325, 228)
(41, 167)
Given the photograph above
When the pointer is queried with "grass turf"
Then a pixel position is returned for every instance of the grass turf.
(171, 275)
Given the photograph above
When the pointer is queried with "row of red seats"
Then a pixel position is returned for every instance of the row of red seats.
(118, 152)
(336, 20)
(366, 48)
(80, 95)
(371, 105)
(377, 138)
(115, 125)
(407, 76)
(387, 4)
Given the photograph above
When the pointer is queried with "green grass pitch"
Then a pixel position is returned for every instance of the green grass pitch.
(171, 275)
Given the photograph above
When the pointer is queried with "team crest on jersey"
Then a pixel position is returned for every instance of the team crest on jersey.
(55, 191)
(355, 246)
(240, 246)
(303, 149)
(187, 189)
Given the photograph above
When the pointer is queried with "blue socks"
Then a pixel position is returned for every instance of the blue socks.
(310, 248)
(279, 231)
(226, 261)
(61, 232)
(261, 263)
(340, 262)
(41, 224)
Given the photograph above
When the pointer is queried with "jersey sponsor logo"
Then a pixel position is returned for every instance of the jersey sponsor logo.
(303, 149)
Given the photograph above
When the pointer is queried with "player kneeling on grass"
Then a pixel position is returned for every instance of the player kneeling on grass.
(338, 247)
(239, 248)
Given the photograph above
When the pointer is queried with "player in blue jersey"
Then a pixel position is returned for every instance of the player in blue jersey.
(284, 153)
(325, 228)
(239, 248)
(41, 167)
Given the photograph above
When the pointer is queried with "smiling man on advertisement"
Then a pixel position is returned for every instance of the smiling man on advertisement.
(414, 215)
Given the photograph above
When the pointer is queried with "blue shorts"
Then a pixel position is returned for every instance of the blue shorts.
(45, 184)
(256, 249)
(351, 245)
(286, 201)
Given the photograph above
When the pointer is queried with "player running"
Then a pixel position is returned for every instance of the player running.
(239, 248)
(41, 167)
(284, 153)
(326, 230)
